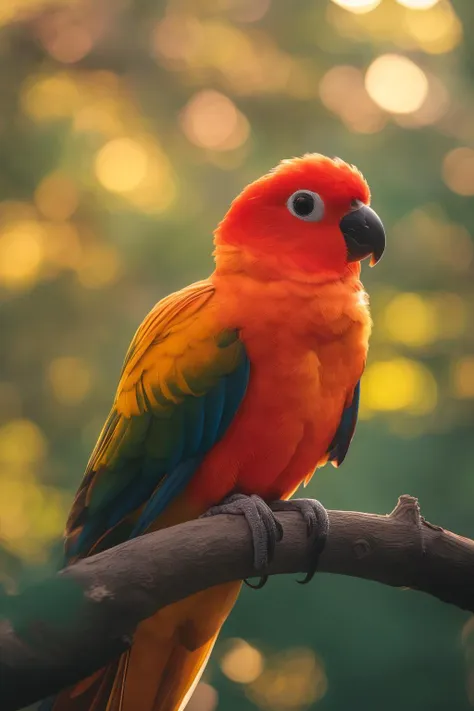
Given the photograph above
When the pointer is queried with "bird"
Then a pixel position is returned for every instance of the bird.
(234, 390)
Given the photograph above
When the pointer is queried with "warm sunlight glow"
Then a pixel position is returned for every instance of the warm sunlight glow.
(33, 518)
(432, 109)
(204, 698)
(437, 31)
(211, 120)
(177, 37)
(121, 165)
(21, 254)
(158, 190)
(418, 4)
(396, 84)
(21, 442)
(358, 6)
(248, 10)
(335, 84)
(463, 377)
(292, 680)
(57, 197)
(411, 320)
(65, 37)
(242, 663)
(458, 170)
(50, 97)
(342, 90)
(399, 384)
(32, 515)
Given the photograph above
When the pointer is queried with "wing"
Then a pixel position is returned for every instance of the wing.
(181, 384)
(340, 444)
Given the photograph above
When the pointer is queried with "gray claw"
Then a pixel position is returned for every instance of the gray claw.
(265, 528)
(317, 525)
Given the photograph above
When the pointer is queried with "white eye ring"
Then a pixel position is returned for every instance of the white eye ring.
(306, 205)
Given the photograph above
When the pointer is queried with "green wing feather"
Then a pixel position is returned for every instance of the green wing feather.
(181, 384)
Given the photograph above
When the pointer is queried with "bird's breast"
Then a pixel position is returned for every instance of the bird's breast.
(307, 347)
(284, 425)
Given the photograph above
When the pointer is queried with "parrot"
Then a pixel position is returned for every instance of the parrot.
(234, 390)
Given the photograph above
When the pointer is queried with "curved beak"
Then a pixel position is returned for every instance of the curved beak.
(364, 235)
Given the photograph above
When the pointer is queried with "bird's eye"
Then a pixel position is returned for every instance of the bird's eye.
(306, 205)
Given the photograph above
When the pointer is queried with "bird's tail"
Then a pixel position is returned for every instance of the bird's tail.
(160, 671)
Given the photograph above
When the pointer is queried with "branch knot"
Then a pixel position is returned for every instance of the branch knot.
(361, 548)
(407, 509)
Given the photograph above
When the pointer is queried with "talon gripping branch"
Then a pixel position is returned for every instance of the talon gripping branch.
(243, 383)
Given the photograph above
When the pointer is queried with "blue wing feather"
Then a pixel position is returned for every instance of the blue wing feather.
(340, 444)
(203, 421)
(172, 485)
(220, 412)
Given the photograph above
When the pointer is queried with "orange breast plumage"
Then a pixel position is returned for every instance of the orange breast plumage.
(307, 349)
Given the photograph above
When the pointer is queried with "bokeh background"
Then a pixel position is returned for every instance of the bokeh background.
(126, 127)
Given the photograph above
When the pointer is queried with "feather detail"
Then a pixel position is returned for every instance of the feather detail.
(340, 444)
(182, 382)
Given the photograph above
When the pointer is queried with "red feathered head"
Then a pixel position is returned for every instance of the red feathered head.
(309, 216)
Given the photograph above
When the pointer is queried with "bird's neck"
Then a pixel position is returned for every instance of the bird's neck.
(312, 310)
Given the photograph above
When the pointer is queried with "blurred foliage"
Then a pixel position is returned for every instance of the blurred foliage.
(127, 126)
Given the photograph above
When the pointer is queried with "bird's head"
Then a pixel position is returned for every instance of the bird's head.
(308, 218)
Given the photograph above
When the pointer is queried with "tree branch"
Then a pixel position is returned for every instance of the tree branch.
(72, 624)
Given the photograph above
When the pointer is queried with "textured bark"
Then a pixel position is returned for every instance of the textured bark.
(74, 623)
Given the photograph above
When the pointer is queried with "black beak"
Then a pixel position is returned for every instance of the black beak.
(364, 235)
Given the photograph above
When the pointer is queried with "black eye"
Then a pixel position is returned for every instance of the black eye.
(306, 205)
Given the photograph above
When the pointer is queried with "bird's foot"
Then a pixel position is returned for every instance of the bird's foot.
(317, 527)
(266, 530)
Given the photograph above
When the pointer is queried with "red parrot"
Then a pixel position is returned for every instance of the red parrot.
(234, 390)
